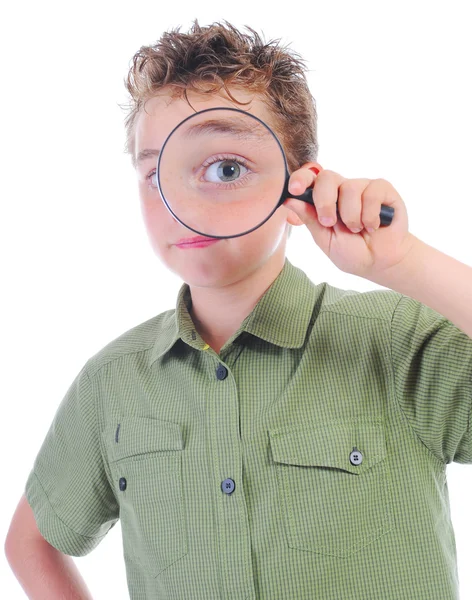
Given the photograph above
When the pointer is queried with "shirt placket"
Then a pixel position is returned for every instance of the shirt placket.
(234, 539)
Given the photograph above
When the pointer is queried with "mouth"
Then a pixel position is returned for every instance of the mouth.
(196, 242)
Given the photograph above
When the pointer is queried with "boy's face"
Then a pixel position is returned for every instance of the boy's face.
(228, 260)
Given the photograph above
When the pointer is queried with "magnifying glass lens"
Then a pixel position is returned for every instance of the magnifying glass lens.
(221, 172)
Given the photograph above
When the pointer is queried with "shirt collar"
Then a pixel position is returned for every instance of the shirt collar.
(281, 316)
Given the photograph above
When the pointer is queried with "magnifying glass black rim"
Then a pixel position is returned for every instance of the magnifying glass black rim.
(244, 112)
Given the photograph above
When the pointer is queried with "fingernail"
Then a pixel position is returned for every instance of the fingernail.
(356, 230)
(370, 229)
(328, 221)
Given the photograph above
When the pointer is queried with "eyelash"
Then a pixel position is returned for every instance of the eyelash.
(148, 177)
(212, 161)
(236, 159)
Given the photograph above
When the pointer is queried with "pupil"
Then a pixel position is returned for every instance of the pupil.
(227, 170)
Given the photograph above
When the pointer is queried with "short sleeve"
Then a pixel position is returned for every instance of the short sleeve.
(68, 490)
(432, 362)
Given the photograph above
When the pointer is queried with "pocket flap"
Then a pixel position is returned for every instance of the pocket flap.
(330, 444)
(131, 436)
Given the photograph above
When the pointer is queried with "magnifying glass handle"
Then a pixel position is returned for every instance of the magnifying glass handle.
(386, 212)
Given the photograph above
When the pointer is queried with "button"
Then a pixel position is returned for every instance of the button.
(355, 457)
(228, 486)
(221, 372)
(122, 484)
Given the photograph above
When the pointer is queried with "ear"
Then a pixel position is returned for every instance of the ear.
(314, 166)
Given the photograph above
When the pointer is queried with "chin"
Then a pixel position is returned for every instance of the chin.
(202, 271)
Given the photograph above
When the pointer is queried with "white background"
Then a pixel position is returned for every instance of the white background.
(392, 86)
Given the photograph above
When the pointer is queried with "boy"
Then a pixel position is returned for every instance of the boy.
(270, 438)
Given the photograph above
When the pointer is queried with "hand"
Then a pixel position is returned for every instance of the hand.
(348, 240)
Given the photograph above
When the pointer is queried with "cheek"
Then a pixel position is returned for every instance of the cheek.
(275, 226)
(264, 240)
(162, 227)
(157, 218)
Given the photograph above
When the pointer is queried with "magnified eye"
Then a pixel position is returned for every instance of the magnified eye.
(225, 171)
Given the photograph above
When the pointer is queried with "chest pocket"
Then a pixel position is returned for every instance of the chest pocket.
(145, 458)
(329, 504)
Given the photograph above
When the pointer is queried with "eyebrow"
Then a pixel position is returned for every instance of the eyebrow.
(223, 126)
(148, 153)
(211, 126)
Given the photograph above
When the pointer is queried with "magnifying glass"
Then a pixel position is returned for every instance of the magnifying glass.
(222, 173)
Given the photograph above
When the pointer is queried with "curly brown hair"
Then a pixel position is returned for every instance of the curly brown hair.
(207, 59)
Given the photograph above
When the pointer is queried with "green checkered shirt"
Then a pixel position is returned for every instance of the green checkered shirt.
(306, 461)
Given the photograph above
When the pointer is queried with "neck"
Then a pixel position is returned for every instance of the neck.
(219, 312)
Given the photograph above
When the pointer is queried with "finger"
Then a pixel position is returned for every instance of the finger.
(375, 194)
(325, 196)
(350, 203)
(300, 180)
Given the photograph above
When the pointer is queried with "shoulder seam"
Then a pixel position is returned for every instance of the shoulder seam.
(117, 358)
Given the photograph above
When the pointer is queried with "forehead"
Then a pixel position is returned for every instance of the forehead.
(163, 113)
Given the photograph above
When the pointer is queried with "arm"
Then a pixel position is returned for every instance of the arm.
(435, 279)
(43, 572)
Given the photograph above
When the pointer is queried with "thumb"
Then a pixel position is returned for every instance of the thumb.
(304, 211)
(309, 217)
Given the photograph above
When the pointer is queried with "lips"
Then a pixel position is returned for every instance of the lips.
(194, 240)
